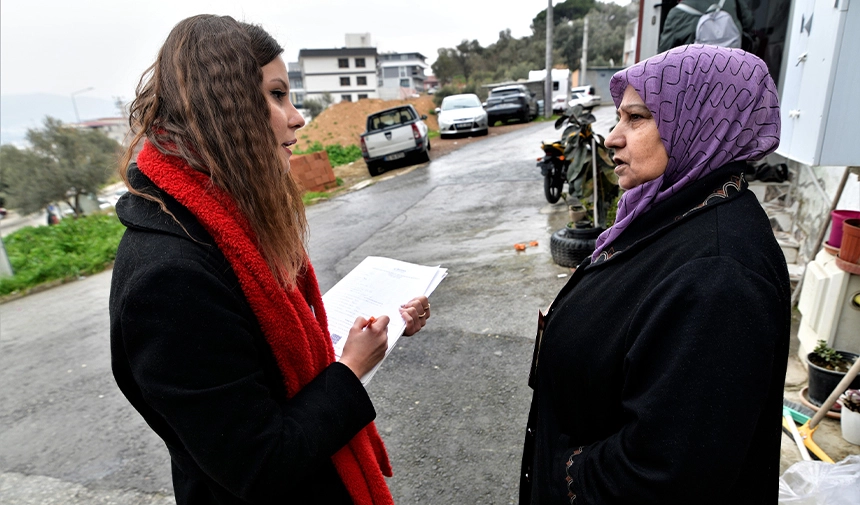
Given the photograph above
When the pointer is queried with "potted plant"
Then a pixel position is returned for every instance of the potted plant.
(827, 367)
(850, 401)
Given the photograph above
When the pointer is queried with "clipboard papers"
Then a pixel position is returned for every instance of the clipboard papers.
(377, 286)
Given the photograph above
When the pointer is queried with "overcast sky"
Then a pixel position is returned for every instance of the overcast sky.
(62, 46)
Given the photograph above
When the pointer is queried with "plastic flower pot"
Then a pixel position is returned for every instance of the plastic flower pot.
(849, 250)
(839, 216)
(850, 425)
(822, 381)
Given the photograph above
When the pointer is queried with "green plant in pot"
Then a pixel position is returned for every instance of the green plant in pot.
(827, 367)
(850, 401)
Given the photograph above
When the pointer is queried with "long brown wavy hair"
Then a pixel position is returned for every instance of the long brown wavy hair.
(202, 101)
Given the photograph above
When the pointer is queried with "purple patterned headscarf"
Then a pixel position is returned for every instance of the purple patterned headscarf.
(713, 105)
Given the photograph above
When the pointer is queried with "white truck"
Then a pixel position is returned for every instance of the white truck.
(394, 134)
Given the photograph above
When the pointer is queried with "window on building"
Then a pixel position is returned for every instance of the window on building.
(402, 71)
(414, 70)
(359, 63)
(555, 85)
(343, 63)
(346, 98)
(361, 80)
(344, 81)
(389, 72)
(362, 96)
(380, 83)
(404, 83)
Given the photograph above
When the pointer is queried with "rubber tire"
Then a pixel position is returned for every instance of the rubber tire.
(570, 246)
(526, 117)
(374, 168)
(484, 133)
(552, 189)
(423, 157)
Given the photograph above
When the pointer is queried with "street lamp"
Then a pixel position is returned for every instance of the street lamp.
(75, 105)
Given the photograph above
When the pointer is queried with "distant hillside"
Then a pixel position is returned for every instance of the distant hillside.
(20, 112)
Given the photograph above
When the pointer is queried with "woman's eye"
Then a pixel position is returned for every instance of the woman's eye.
(278, 94)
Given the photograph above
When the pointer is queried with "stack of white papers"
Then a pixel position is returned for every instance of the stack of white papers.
(376, 287)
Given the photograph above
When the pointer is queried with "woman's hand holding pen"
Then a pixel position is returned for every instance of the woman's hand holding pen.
(366, 345)
(415, 313)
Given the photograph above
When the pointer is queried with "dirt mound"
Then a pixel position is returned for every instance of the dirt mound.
(343, 123)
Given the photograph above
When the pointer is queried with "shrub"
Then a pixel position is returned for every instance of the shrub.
(72, 248)
(337, 154)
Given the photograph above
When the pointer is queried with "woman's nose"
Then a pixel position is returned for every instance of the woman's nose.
(614, 139)
(296, 119)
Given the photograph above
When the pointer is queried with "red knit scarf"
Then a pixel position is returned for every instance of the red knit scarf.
(299, 337)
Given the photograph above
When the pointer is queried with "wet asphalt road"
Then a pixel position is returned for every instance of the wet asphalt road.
(451, 402)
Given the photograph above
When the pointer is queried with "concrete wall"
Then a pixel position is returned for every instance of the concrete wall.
(599, 78)
(313, 171)
(328, 64)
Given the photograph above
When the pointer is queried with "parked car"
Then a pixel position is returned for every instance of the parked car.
(461, 114)
(585, 96)
(394, 134)
(511, 102)
(584, 99)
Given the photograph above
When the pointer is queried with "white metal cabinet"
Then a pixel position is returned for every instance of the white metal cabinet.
(820, 103)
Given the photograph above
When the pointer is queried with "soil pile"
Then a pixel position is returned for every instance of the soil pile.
(343, 123)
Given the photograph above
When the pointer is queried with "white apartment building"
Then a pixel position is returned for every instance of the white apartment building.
(348, 73)
(401, 75)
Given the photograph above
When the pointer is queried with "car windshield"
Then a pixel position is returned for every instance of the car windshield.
(460, 102)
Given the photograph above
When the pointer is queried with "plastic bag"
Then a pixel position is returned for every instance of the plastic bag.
(819, 483)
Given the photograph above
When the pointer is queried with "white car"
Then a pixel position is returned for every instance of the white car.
(583, 95)
(462, 114)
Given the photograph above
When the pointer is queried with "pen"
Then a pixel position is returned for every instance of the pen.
(369, 322)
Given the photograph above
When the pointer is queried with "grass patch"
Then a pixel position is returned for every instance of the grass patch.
(310, 197)
(432, 134)
(337, 154)
(68, 250)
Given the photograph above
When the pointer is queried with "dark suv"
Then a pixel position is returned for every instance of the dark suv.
(511, 102)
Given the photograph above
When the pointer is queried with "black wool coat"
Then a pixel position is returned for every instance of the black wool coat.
(666, 362)
(189, 354)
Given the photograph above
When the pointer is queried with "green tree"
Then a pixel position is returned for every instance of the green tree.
(314, 107)
(61, 164)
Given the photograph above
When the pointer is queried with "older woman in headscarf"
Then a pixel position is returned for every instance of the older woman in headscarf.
(658, 374)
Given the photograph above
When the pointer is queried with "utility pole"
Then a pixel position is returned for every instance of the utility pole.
(584, 63)
(547, 90)
(75, 104)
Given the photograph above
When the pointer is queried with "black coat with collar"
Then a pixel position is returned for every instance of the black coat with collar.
(666, 362)
(189, 354)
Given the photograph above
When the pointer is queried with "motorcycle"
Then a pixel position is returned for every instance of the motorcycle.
(579, 159)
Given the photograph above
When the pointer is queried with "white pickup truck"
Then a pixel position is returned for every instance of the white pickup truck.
(394, 134)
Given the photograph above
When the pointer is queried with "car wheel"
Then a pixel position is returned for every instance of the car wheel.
(423, 156)
(428, 145)
(374, 168)
(484, 132)
(526, 116)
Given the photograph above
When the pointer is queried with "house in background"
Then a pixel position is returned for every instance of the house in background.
(348, 73)
(401, 75)
(115, 128)
(297, 87)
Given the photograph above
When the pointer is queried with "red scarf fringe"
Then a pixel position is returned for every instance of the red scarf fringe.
(298, 337)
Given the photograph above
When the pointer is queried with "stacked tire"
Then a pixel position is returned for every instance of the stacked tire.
(570, 246)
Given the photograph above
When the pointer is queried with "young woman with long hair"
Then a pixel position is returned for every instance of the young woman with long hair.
(218, 333)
